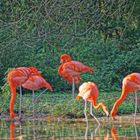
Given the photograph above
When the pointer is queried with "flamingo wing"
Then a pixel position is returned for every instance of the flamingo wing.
(36, 82)
(18, 76)
(71, 75)
(77, 66)
(31, 83)
(71, 70)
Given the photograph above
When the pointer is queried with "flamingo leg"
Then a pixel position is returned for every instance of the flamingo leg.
(40, 94)
(136, 104)
(93, 115)
(20, 104)
(33, 99)
(73, 87)
(85, 111)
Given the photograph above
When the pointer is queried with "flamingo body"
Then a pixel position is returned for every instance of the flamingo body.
(36, 82)
(19, 75)
(131, 82)
(70, 70)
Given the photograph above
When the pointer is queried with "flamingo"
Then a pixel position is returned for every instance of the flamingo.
(16, 77)
(70, 70)
(89, 92)
(36, 82)
(131, 83)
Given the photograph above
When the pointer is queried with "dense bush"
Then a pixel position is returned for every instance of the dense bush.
(101, 34)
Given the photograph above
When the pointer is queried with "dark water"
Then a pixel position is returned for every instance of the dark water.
(67, 130)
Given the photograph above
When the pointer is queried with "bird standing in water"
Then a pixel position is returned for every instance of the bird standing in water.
(131, 83)
(70, 70)
(36, 82)
(89, 92)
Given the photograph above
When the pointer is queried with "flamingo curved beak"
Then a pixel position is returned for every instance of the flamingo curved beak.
(77, 97)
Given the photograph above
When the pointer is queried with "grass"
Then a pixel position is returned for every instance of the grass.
(62, 104)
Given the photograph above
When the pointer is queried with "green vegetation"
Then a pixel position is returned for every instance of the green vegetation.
(101, 34)
(63, 105)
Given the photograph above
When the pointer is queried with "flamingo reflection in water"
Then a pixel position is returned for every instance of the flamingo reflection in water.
(110, 134)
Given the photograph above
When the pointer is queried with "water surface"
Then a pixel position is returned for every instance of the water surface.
(67, 130)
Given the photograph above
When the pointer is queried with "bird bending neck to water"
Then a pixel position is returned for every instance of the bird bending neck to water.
(89, 92)
(131, 83)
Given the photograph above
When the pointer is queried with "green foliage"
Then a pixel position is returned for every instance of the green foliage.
(62, 104)
(101, 34)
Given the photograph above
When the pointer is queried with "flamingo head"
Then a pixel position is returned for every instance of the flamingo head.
(113, 113)
(65, 58)
(35, 71)
(48, 86)
(77, 97)
(105, 109)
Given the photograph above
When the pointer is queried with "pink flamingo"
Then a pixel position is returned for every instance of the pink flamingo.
(89, 92)
(131, 83)
(70, 70)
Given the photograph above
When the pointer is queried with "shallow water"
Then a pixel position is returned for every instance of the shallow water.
(67, 130)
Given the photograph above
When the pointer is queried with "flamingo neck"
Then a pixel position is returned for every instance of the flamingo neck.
(118, 102)
(12, 100)
(97, 106)
(60, 69)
